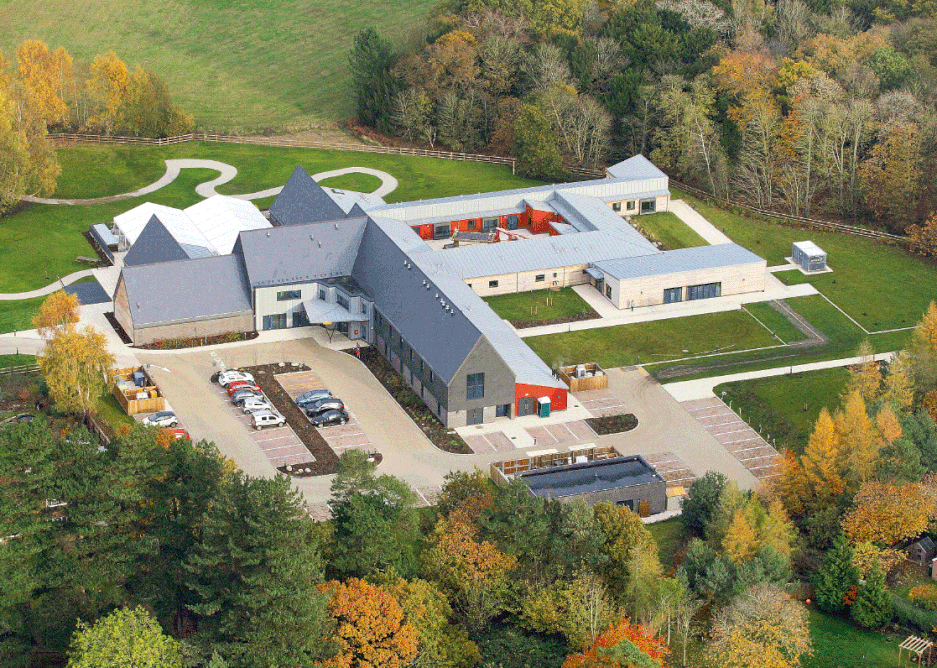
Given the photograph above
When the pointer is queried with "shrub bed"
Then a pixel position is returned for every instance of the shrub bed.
(613, 424)
(196, 341)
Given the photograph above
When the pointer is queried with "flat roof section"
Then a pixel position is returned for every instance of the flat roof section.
(594, 476)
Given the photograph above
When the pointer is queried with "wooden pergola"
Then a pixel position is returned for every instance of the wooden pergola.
(917, 646)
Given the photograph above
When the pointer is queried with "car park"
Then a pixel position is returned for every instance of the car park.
(227, 377)
(327, 404)
(312, 395)
(254, 404)
(329, 417)
(242, 385)
(240, 396)
(161, 419)
(263, 419)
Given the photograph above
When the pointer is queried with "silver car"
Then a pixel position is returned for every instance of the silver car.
(161, 419)
(254, 404)
(262, 419)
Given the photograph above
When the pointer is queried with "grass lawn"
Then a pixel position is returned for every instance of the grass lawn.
(18, 315)
(671, 537)
(7, 361)
(249, 65)
(110, 411)
(648, 341)
(669, 230)
(776, 322)
(517, 306)
(838, 643)
(787, 406)
(362, 183)
(882, 287)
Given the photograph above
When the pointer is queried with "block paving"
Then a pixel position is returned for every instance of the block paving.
(601, 402)
(671, 468)
(736, 435)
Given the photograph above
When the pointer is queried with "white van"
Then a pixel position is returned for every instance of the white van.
(254, 404)
(263, 419)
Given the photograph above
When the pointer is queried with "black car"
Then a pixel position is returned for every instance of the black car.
(329, 417)
(312, 396)
(327, 404)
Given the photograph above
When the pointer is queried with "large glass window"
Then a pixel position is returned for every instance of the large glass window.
(705, 291)
(342, 300)
(539, 277)
(489, 224)
(672, 295)
(630, 205)
(277, 321)
(475, 386)
(648, 205)
(300, 319)
(286, 295)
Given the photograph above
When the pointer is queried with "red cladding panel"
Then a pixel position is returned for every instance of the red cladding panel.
(557, 395)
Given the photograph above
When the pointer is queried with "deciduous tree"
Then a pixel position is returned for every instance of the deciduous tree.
(126, 638)
(700, 508)
(76, 365)
(898, 389)
(535, 145)
(44, 77)
(866, 376)
(923, 351)
(887, 514)
(58, 312)
(625, 536)
(623, 645)
(148, 109)
(891, 175)
(107, 87)
(923, 238)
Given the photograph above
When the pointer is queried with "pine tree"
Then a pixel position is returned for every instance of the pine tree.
(860, 445)
(836, 576)
(822, 463)
(873, 607)
(898, 390)
(865, 377)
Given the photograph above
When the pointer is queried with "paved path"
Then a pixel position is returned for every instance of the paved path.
(49, 289)
(697, 223)
(226, 173)
(689, 390)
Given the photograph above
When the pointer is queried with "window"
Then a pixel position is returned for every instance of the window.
(472, 224)
(492, 284)
(512, 222)
(475, 386)
(608, 290)
(277, 321)
(286, 295)
(539, 277)
(411, 354)
(430, 376)
(672, 295)
(421, 367)
(322, 294)
(470, 285)
(648, 205)
(378, 319)
(342, 301)
(503, 410)
(706, 291)
(300, 319)
(630, 206)
(616, 206)
(489, 224)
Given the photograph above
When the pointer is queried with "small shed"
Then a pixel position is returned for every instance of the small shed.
(921, 552)
(809, 256)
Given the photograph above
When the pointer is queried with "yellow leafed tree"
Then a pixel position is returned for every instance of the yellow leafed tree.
(860, 442)
(865, 377)
(58, 312)
(107, 85)
(888, 426)
(898, 389)
(76, 364)
(822, 461)
(45, 78)
(741, 541)
(887, 514)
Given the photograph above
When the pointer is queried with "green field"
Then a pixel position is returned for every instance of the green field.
(669, 230)
(643, 342)
(776, 322)
(7, 361)
(237, 66)
(528, 306)
(786, 407)
(362, 183)
(671, 537)
(18, 315)
(838, 643)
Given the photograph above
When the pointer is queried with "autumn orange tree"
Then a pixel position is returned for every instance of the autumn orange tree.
(887, 514)
(370, 628)
(623, 645)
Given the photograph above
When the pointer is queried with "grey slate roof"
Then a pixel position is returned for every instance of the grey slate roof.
(302, 200)
(531, 254)
(595, 476)
(155, 244)
(300, 253)
(441, 338)
(589, 213)
(187, 290)
(635, 167)
(680, 260)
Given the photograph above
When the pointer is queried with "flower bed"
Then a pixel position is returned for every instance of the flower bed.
(613, 424)
(196, 341)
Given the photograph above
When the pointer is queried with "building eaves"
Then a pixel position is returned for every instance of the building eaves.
(677, 261)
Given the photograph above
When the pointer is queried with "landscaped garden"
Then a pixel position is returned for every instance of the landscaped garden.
(541, 307)
(669, 230)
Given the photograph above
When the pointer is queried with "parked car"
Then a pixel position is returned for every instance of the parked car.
(329, 417)
(254, 404)
(161, 419)
(312, 395)
(242, 385)
(327, 404)
(263, 419)
(240, 396)
(227, 377)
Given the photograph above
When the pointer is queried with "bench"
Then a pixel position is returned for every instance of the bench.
(88, 260)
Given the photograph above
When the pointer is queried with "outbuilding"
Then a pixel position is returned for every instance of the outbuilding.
(809, 256)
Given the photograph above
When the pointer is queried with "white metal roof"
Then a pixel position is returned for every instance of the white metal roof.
(679, 260)
(131, 223)
(220, 219)
(809, 248)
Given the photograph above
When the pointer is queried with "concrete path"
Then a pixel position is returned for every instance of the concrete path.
(690, 390)
(49, 289)
(697, 223)
(226, 173)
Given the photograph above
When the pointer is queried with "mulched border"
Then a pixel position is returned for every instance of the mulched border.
(591, 314)
(198, 342)
(326, 458)
(613, 424)
(440, 436)
(111, 318)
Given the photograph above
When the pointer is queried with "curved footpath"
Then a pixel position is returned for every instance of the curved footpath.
(49, 289)
(226, 173)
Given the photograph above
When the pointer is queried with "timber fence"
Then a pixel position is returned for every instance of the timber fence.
(284, 143)
(22, 368)
(798, 220)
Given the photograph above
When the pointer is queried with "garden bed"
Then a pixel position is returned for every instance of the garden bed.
(442, 437)
(196, 341)
(613, 424)
(523, 324)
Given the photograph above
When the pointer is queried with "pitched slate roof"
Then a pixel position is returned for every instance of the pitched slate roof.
(300, 253)
(187, 290)
(302, 200)
(680, 260)
(155, 244)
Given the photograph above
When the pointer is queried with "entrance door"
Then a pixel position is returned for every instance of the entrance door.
(475, 416)
(442, 231)
(648, 205)
(527, 406)
(512, 222)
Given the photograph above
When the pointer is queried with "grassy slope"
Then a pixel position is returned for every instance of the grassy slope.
(18, 315)
(245, 64)
(776, 322)
(666, 228)
(16, 360)
(362, 183)
(517, 306)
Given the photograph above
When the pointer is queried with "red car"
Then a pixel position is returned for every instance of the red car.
(242, 385)
(179, 432)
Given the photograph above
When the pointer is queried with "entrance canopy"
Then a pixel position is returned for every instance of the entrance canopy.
(320, 312)
(597, 274)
